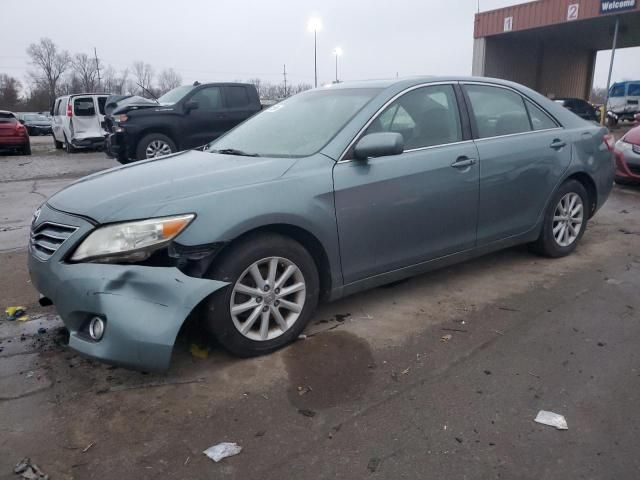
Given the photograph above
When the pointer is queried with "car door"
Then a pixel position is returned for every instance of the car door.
(56, 120)
(401, 210)
(523, 152)
(239, 105)
(207, 122)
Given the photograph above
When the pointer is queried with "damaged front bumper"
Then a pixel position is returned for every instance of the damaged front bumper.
(142, 307)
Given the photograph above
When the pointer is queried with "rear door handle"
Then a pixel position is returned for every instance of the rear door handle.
(557, 144)
(463, 162)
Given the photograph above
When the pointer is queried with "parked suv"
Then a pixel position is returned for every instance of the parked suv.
(624, 100)
(186, 117)
(76, 121)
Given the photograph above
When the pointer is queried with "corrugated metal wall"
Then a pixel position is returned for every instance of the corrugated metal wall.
(515, 60)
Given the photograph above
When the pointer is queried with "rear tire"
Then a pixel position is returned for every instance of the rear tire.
(284, 324)
(26, 150)
(67, 146)
(155, 145)
(561, 231)
(56, 143)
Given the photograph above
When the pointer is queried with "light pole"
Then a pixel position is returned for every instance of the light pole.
(315, 25)
(338, 53)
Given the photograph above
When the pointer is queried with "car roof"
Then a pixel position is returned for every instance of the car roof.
(7, 111)
(407, 82)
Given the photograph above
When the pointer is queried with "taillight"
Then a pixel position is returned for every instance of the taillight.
(20, 129)
(609, 141)
(69, 111)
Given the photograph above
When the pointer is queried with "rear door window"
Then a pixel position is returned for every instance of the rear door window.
(497, 111)
(84, 107)
(634, 90)
(539, 119)
(237, 97)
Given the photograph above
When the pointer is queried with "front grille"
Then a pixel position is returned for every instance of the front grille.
(636, 149)
(46, 238)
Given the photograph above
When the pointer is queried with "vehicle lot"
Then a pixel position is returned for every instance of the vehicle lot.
(372, 391)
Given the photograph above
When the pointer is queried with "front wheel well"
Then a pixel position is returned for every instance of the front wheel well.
(590, 186)
(306, 239)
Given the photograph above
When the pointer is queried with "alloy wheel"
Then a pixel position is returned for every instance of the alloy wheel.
(567, 219)
(268, 298)
(157, 148)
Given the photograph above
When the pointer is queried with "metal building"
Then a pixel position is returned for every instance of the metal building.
(551, 45)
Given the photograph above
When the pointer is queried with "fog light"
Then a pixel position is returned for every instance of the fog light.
(96, 328)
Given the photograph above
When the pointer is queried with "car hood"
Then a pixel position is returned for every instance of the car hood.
(160, 186)
(117, 104)
(633, 136)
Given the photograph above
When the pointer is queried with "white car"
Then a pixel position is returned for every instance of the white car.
(76, 121)
(624, 100)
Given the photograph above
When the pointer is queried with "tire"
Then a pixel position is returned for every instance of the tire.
(233, 267)
(548, 243)
(626, 182)
(163, 146)
(56, 143)
(67, 146)
(26, 150)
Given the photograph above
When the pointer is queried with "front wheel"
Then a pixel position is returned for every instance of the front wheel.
(565, 221)
(272, 293)
(155, 145)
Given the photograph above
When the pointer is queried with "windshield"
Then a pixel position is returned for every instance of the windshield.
(33, 117)
(297, 127)
(175, 95)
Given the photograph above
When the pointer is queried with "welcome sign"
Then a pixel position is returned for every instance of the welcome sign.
(613, 6)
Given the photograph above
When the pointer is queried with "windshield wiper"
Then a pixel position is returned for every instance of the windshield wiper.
(233, 151)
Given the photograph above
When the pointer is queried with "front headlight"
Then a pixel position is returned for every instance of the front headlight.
(132, 241)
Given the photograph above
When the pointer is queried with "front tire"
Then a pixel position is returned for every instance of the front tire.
(273, 291)
(565, 221)
(155, 145)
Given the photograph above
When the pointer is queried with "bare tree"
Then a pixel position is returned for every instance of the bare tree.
(9, 92)
(168, 80)
(143, 76)
(86, 69)
(115, 83)
(50, 64)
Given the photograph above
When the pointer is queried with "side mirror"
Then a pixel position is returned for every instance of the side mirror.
(191, 105)
(380, 144)
(21, 121)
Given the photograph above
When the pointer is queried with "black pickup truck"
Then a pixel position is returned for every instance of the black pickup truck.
(185, 117)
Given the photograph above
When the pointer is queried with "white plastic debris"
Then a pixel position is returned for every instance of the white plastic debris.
(552, 419)
(222, 450)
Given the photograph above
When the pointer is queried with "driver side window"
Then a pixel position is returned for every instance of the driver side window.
(209, 98)
(425, 117)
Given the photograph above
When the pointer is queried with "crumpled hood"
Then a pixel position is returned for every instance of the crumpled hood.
(163, 186)
(116, 104)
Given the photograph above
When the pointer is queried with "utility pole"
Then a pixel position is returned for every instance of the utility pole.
(613, 56)
(95, 53)
(284, 74)
(315, 57)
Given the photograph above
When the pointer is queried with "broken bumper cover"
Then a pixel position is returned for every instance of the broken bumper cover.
(143, 308)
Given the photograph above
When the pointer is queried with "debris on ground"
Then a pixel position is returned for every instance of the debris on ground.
(302, 337)
(446, 338)
(304, 390)
(551, 419)
(373, 464)
(307, 413)
(42, 331)
(222, 450)
(29, 471)
(461, 330)
(199, 352)
(16, 313)
(86, 449)
(613, 281)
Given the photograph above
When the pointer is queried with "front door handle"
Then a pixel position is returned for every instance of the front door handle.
(463, 162)
(558, 144)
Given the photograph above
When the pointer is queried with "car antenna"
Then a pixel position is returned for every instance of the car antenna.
(147, 90)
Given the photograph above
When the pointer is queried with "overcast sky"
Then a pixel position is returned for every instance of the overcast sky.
(211, 40)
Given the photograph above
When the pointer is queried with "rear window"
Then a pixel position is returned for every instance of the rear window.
(237, 97)
(7, 118)
(84, 107)
(634, 90)
(101, 103)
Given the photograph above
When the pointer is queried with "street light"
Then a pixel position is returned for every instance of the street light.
(315, 26)
(338, 53)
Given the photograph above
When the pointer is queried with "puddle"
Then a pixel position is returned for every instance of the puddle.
(328, 370)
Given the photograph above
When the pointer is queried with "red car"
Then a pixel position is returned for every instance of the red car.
(627, 152)
(13, 135)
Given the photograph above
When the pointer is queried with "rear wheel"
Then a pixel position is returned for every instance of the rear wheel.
(155, 145)
(26, 150)
(565, 221)
(272, 293)
(67, 146)
(56, 143)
